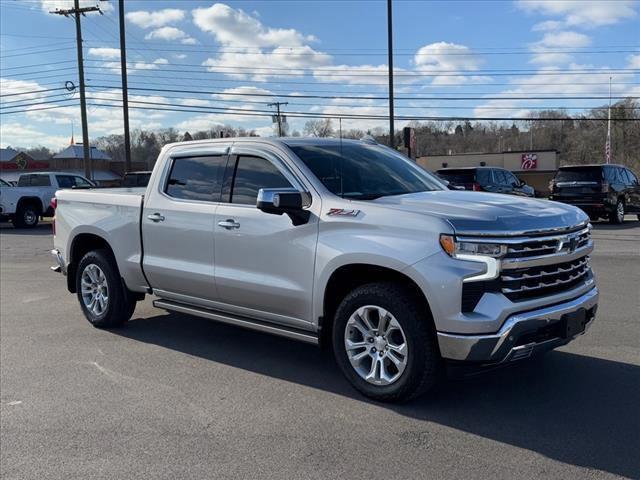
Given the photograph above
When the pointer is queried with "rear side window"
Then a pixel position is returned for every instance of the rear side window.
(196, 178)
(632, 177)
(252, 174)
(584, 174)
(34, 181)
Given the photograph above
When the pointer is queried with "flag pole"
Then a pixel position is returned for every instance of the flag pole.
(609, 127)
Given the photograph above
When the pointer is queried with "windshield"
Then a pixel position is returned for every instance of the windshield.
(585, 174)
(3, 183)
(365, 172)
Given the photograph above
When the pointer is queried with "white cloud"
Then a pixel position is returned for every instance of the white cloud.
(132, 67)
(160, 18)
(563, 84)
(105, 52)
(634, 61)
(369, 74)
(547, 26)
(246, 92)
(180, 56)
(544, 49)
(583, 13)
(170, 33)
(448, 59)
(19, 134)
(272, 64)
(237, 28)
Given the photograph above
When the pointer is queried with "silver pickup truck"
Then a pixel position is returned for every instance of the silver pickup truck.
(344, 243)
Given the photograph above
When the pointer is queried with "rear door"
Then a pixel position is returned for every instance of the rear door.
(177, 225)
(633, 191)
(264, 264)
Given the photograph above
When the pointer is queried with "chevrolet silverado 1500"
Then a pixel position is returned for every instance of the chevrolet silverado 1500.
(344, 243)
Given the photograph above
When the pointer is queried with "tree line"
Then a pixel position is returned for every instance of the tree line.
(579, 139)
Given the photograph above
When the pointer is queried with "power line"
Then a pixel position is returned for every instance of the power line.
(351, 97)
(31, 92)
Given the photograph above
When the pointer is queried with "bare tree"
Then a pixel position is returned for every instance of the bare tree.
(319, 128)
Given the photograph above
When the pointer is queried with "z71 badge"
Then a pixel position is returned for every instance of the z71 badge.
(341, 212)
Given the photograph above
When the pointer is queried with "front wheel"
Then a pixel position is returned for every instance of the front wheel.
(384, 342)
(617, 216)
(104, 300)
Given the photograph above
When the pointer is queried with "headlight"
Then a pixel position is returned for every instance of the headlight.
(480, 252)
(456, 248)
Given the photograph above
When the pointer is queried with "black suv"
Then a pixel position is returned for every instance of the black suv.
(607, 191)
(486, 179)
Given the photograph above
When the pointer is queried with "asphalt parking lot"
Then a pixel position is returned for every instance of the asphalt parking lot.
(172, 396)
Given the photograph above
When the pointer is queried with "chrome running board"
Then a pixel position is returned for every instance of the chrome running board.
(239, 321)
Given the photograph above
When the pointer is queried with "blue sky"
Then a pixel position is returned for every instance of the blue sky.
(235, 57)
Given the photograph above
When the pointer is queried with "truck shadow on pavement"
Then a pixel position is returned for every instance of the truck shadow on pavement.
(38, 230)
(578, 410)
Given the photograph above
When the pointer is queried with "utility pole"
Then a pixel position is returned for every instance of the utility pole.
(125, 92)
(76, 11)
(390, 48)
(278, 117)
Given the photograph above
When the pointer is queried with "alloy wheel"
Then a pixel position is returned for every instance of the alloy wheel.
(376, 345)
(95, 291)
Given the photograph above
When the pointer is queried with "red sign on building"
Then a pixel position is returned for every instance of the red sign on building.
(529, 161)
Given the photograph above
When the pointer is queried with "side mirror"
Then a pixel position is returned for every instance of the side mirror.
(277, 201)
(522, 183)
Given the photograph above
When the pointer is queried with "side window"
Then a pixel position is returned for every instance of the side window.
(196, 178)
(610, 174)
(633, 180)
(512, 179)
(40, 181)
(24, 180)
(80, 182)
(252, 174)
(500, 177)
(483, 176)
(65, 181)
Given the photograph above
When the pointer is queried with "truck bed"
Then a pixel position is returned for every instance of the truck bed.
(112, 214)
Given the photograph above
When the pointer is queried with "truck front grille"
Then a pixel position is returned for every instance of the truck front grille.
(536, 266)
(532, 282)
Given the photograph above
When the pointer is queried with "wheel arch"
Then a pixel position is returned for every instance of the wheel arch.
(349, 276)
(80, 246)
(29, 201)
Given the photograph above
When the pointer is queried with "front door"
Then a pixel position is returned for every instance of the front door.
(177, 227)
(264, 264)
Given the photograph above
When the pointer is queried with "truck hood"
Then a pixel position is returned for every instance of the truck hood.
(488, 213)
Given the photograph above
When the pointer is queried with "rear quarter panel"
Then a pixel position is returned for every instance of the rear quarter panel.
(113, 216)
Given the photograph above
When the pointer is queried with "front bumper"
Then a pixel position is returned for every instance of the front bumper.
(521, 335)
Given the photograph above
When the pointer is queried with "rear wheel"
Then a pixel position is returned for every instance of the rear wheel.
(385, 344)
(104, 299)
(617, 216)
(26, 216)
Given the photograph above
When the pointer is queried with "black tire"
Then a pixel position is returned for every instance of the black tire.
(424, 366)
(27, 216)
(121, 302)
(614, 216)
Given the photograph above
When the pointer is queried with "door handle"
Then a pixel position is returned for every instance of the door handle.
(156, 217)
(229, 223)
